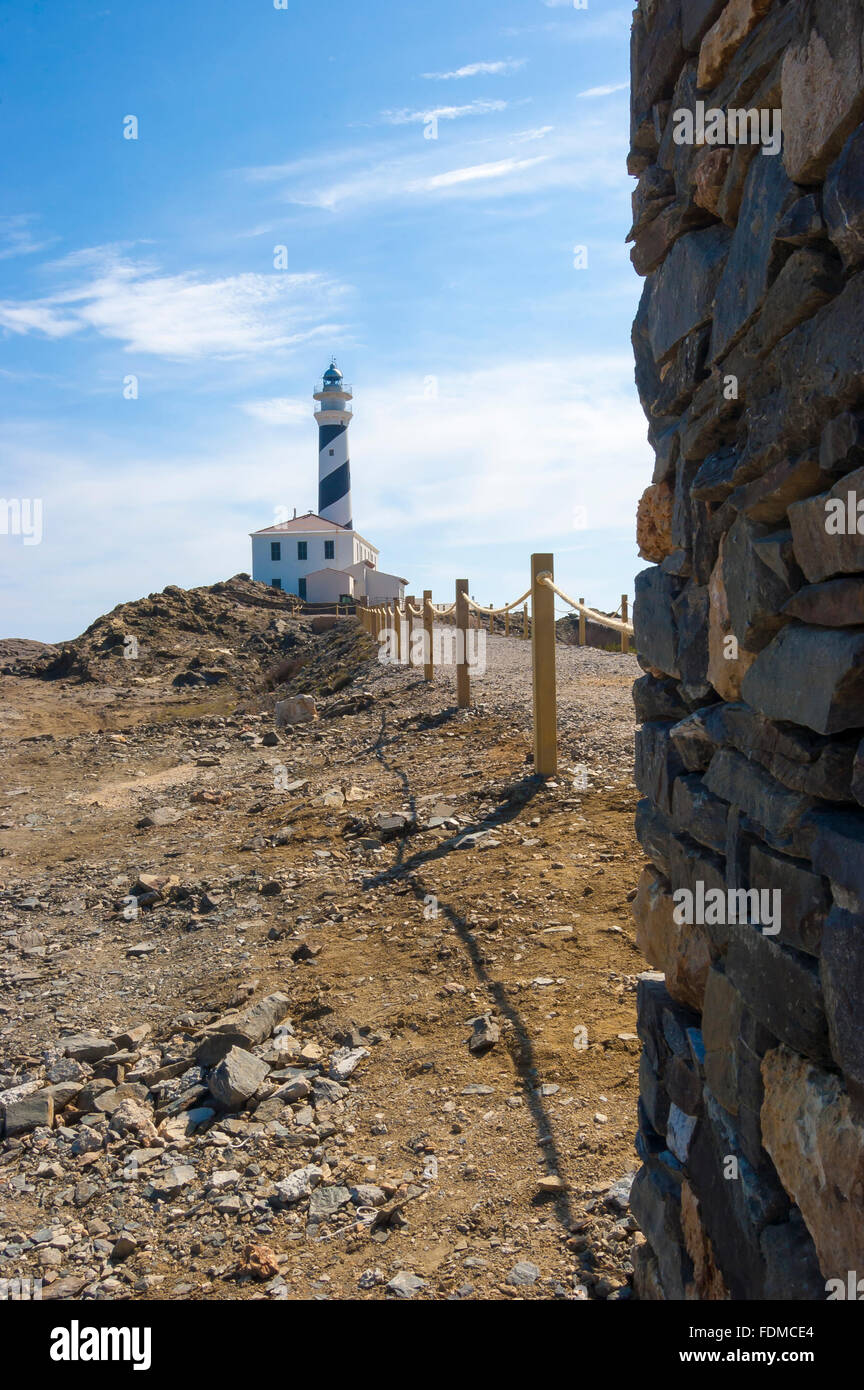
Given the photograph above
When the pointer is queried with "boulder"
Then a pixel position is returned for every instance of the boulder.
(844, 201)
(825, 530)
(812, 676)
(823, 88)
(300, 709)
(725, 37)
(818, 1150)
(682, 953)
(683, 289)
(236, 1079)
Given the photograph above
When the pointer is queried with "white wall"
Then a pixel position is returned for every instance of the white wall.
(289, 568)
(329, 586)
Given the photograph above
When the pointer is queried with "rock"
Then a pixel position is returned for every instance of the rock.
(298, 1184)
(170, 1183)
(836, 603)
(753, 258)
(258, 1262)
(654, 522)
(523, 1274)
(87, 1047)
(324, 622)
(726, 36)
(31, 1112)
(258, 1021)
(818, 1150)
(345, 1062)
(844, 201)
(485, 1033)
(654, 622)
(727, 663)
(843, 983)
(804, 902)
(837, 848)
(782, 987)
(300, 709)
(825, 541)
(709, 174)
(823, 88)
(811, 676)
(682, 290)
(406, 1285)
(325, 1201)
(163, 815)
(681, 952)
(236, 1079)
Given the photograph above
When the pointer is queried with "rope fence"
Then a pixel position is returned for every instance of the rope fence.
(382, 619)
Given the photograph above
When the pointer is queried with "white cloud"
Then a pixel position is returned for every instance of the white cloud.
(278, 410)
(580, 153)
(477, 70)
(498, 170)
(604, 91)
(442, 113)
(437, 482)
(16, 238)
(182, 316)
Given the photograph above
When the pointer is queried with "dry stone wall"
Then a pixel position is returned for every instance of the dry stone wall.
(749, 624)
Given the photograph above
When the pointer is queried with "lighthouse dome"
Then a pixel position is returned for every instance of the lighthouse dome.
(332, 375)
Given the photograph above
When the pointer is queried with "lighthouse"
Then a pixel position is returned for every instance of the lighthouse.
(318, 555)
(334, 469)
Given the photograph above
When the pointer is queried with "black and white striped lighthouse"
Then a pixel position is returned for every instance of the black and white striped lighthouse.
(334, 469)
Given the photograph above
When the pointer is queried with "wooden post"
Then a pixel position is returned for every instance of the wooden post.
(543, 668)
(625, 639)
(583, 630)
(461, 618)
(525, 620)
(428, 671)
(507, 623)
(491, 620)
(409, 620)
(397, 618)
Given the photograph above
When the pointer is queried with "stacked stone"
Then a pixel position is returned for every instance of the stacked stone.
(749, 625)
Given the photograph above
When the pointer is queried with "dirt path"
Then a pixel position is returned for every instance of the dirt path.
(388, 936)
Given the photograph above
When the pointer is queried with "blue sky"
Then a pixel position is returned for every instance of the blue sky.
(428, 170)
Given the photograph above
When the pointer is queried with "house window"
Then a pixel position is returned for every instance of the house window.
(302, 589)
(275, 550)
(329, 550)
(332, 452)
(301, 549)
(275, 583)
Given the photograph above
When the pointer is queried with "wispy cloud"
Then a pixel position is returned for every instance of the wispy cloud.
(477, 70)
(579, 153)
(442, 113)
(17, 238)
(278, 410)
(181, 316)
(502, 168)
(604, 91)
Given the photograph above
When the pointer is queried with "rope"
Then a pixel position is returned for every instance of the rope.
(495, 611)
(591, 613)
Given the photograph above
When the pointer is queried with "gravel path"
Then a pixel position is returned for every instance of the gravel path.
(595, 708)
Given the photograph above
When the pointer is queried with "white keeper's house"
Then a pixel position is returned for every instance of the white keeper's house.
(319, 556)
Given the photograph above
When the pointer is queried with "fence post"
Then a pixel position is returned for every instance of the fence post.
(409, 620)
(583, 627)
(461, 619)
(428, 671)
(543, 667)
(507, 623)
(525, 621)
(397, 618)
(625, 639)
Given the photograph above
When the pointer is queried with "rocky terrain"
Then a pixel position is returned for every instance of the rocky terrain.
(339, 1010)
